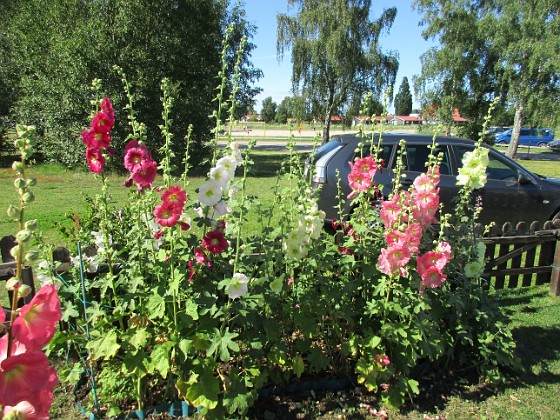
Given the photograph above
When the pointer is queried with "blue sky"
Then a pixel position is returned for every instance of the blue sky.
(404, 37)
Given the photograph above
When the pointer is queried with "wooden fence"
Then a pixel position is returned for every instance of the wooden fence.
(524, 255)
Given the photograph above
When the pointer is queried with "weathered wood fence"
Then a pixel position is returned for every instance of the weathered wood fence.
(524, 255)
(520, 256)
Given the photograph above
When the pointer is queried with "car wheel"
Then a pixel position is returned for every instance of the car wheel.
(542, 144)
(501, 143)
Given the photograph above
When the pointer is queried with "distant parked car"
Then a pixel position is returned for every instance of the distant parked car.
(527, 137)
(554, 145)
(512, 193)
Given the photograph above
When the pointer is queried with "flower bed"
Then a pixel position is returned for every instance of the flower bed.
(203, 311)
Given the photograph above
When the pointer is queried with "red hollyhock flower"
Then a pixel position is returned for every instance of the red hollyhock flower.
(167, 214)
(215, 242)
(95, 159)
(174, 195)
(28, 377)
(36, 324)
(382, 359)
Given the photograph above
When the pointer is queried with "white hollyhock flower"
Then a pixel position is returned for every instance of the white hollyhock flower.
(229, 163)
(220, 175)
(221, 209)
(235, 152)
(210, 193)
(238, 286)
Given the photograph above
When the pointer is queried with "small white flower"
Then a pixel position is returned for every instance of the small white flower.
(235, 152)
(210, 193)
(198, 211)
(238, 286)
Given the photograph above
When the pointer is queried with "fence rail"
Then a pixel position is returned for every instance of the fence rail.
(524, 256)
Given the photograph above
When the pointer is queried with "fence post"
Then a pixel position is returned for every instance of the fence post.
(555, 273)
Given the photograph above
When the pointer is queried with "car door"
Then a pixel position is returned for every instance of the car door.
(511, 193)
(415, 163)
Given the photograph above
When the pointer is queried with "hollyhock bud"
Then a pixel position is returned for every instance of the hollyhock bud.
(17, 166)
(24, 291)
(28, 197)
(23, 236)
(31, 182)
(31, 224)
(19, 183)
(12, 284)
(13, 211)
(14, 252)
(31, 256)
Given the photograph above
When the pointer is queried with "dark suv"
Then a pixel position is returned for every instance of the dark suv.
(512, 193)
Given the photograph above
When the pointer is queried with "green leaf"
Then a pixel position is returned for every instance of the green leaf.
(155, 306)
(136, 363)
(276, 285)
(104, 347)
(140, 338)
(317, 360)
(70, 312)
(160, 358)
(298, 366)
(191, 309)
(223, 344)
(204, 392)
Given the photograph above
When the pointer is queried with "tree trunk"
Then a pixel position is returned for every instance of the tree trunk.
(517, 122)
(327, 125)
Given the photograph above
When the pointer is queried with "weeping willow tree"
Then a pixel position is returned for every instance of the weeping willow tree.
(336, 56)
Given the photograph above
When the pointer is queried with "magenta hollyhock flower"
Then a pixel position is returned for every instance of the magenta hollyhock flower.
(191, 271)
(94, 140)
(200, 255)
(102, 123)
(107, 108)
(215, 242)
(95, 159)
(174, 195)
(134, 158)
(167, 214)
(28, 377)
(36, 323)
(382, 359)
(146, 174)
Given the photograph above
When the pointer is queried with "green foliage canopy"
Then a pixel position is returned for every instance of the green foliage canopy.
(53, 50)
(403, 99)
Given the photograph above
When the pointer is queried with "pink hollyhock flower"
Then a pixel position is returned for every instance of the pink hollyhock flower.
(432, 277)
(21, 411)
(102, 123)
(445, 249)
(359, 181)
(366, 166)
(36, 323)
(395, 238)
(96, 160)
(167, 214)
(146, 174)
(200, 255)
(413, 234)
(382, 359)
(425, 208)
(94, 140)
(424, 183)
(191, 271)
(174, 195)
(391, 212)
(215, 242)
(28, 377)
(429, 259)
(393, 259)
